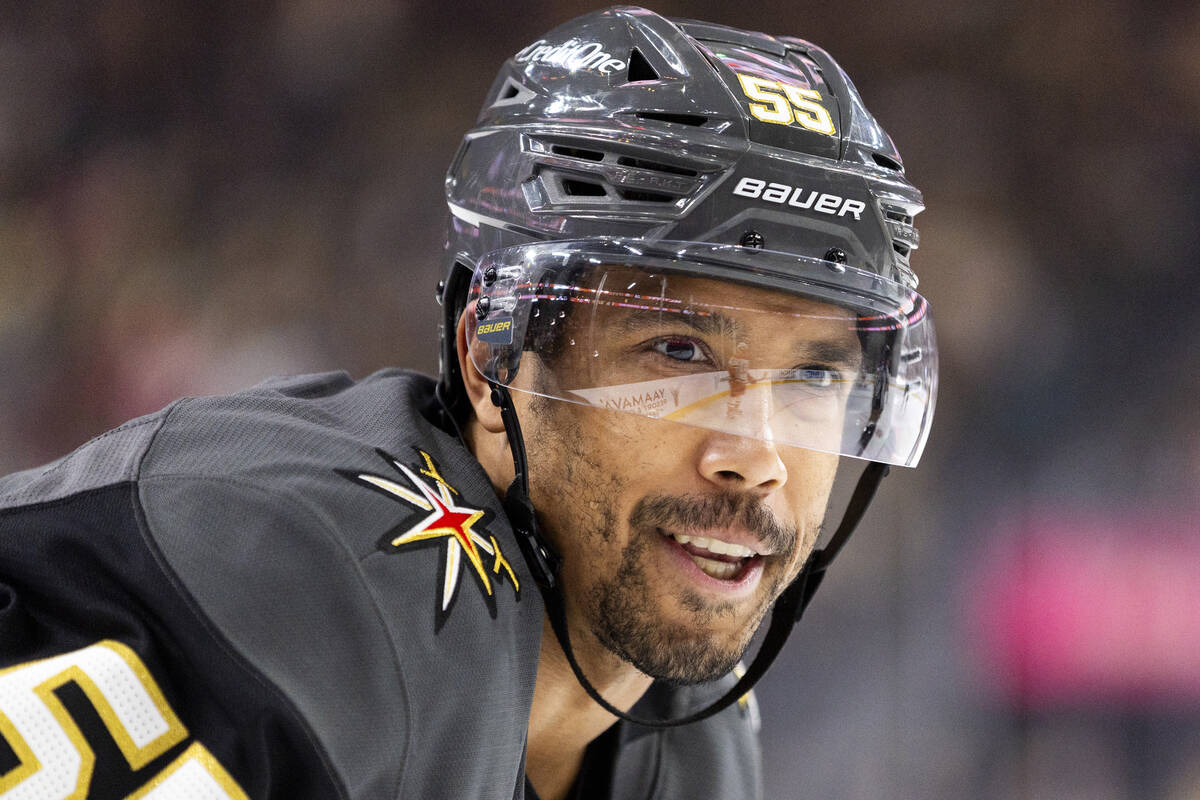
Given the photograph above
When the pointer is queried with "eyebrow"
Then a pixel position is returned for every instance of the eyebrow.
(714, 323)
(836, 352)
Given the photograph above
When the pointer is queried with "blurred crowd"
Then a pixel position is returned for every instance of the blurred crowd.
(196, 196)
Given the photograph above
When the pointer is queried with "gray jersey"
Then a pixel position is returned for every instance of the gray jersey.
(318, 594)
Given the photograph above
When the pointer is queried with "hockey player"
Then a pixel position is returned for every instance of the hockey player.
(677, 293)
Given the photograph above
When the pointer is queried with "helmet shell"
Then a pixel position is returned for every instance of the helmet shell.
(623, 123)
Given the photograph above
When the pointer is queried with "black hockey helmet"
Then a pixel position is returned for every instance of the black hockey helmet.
(623, 136)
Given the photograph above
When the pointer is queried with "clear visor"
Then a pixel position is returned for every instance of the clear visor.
(792, 350)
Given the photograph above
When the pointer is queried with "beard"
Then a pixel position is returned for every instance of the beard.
(621, 611)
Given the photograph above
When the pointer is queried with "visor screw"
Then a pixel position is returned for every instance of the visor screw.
(489, 276)
(441, 290)
(482, 306)
(836, 254)
(752, 239)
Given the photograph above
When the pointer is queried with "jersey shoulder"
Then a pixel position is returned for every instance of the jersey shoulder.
(212, 435)
(331, 518)
(108, 459)
(285, 531)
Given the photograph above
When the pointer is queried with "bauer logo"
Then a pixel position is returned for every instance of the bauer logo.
(495, 331)
(799, 197)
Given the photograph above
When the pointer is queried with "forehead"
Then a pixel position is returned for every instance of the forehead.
(630, 297)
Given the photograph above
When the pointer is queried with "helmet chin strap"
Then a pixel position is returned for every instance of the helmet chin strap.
(545, 564)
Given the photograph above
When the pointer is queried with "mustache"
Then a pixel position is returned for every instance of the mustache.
(724, 510)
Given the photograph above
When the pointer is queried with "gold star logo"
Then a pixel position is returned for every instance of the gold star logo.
(446, 520)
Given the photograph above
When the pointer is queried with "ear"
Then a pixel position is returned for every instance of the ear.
(479, 390)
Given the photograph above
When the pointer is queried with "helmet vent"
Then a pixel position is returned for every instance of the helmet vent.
(512, 93)
(695, 120)
(576, 152)
(639, 68)
(899, 225)
(886, 162)
(670, 169)
(578, 188)
(642, 196)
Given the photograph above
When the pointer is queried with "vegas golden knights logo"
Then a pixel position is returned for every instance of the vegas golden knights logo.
(446, 520)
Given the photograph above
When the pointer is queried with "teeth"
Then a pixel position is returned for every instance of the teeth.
(717, 569)
(715, 545)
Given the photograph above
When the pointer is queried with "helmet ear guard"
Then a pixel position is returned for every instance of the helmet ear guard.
(452, 296)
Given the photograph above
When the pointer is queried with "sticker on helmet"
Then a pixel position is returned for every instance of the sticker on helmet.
(572, 54)
(495, 331)
(784, 104)
(799, 197)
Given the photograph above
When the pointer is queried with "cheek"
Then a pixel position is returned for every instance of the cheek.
(810, 481)
(579, 477)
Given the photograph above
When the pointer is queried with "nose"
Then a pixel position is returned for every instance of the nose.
(741, 463)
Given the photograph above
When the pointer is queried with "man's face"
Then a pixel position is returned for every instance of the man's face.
(676, 539)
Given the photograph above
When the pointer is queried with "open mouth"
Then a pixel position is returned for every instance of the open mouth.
(718, 559)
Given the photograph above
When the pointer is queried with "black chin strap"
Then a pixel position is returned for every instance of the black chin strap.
(545, 565)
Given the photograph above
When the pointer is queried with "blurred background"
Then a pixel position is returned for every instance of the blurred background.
(195, 196)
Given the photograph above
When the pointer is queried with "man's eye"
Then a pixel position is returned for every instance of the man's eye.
(680, 349)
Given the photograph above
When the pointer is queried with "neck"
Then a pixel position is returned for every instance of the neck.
(563, 719)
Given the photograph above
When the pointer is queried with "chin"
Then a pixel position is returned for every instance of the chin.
(675, 657)
(693, 666)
